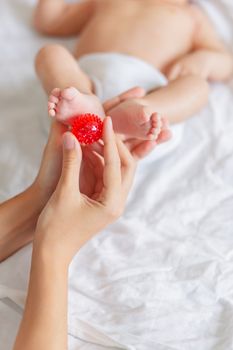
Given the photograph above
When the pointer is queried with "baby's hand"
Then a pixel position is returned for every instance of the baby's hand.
(197, 63)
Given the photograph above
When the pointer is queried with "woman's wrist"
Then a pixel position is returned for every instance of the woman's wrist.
(44, 323)
(51, 252)
(18, 218)
(43, 255)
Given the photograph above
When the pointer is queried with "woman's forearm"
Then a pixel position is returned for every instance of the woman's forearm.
(18, 218)
(44, 324)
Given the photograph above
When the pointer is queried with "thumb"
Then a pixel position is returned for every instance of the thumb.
(72, 157)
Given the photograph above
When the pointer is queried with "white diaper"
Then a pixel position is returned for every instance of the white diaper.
(114, 73)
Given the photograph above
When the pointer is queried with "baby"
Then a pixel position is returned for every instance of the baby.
(167, 49)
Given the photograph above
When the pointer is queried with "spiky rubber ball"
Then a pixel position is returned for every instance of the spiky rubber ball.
(88, 128)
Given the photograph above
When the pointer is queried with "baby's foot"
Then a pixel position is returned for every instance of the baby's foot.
(67, 103)
(136, 119)
(141, 148)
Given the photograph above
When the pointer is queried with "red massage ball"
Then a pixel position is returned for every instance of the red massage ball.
(88, 128)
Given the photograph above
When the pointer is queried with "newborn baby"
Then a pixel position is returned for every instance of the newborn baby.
(168, 49)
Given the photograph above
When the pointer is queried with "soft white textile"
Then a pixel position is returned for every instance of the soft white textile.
(112, 73)
(161, 277)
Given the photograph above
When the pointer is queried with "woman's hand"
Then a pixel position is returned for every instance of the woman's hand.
(19, 215)
(71, 218)
(51, 163)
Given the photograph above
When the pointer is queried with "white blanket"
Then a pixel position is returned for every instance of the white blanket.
(161, 277)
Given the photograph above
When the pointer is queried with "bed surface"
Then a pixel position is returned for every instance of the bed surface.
(161, 278)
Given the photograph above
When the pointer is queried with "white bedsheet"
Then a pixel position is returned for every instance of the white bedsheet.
(161, 277)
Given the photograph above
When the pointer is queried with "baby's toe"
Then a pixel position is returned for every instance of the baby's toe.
(53, 99)
(69, 93)
(156, 125)
(164, 136)
(52, 109)
(56, 92)
(51, 105)
(152, 134)
(156, 120)
(52, 112)
(165, 133)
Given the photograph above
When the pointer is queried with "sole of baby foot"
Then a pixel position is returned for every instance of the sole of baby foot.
(137, 119)
(72, 102)
(142, 148)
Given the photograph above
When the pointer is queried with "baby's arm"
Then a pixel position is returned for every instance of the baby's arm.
(55, 17)
(207, 41)
(209, 58)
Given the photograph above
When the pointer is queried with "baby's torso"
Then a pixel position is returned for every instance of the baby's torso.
(154, 31)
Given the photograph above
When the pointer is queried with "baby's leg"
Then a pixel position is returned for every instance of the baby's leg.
(180, 99)
(49, 9)
(71, 88)
(58, 71)
(56, 67)
(177, 101)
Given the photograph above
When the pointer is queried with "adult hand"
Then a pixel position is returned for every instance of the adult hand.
(19, 215)
(71, 218)
(51, 163)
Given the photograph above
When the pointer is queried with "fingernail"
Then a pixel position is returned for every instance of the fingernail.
(68, 141)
